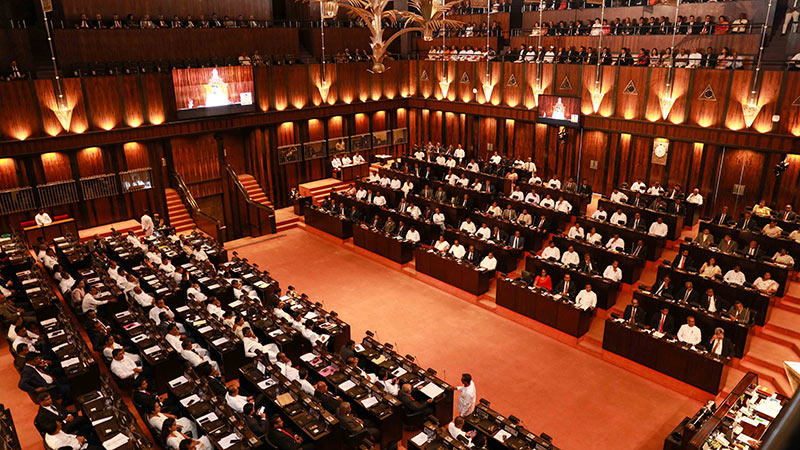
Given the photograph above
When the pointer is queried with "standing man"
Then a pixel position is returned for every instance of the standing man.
(466, 396)
(147, 224)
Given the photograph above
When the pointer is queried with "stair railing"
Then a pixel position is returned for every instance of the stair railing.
(260, 217)
(209, 225)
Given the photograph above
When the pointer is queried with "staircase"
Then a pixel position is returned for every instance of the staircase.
(254, 190)
(179, 217)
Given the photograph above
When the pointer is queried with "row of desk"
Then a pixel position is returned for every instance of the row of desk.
(674, 222)
(394, 248)
(606, 290)
(328, 222)
(768, 245)
(653, 244)
(551, 310)
(693, 212)
(457, 273)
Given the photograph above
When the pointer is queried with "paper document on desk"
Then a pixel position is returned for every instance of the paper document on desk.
(502, 435)
(420, 439)
(49, 322)
(432, 390)
(264, 384)
(274, 333)
(70, 362)
(205, 329)
(190, 400)
(308, 357)
(151, 350)
(359, 348)
(369, 402)
(769, 408)
(59, 347)
(101, 420)
(311, 315)
(379, 359)
(116, 442)
(399, 372)
(347, 385)
(178, 381)
(658, 335)
(210, 417)
(235, 304)
(219, 341)
(229, 440)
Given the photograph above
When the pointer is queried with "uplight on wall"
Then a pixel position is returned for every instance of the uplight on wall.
(750, 111)
(666, 103)
(444, 85)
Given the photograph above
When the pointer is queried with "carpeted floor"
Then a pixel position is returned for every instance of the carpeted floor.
(579, 399)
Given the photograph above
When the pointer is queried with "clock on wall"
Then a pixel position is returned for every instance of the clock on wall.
(660, 151)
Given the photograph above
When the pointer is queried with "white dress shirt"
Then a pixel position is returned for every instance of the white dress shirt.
(458, 251)
(594, 238)
(734, 277)
(469, 227)
(599, 215)
(484, 233)
(575, 232)
(551, 253)
(618, 217)
(517, 195)
(564, 206)
(547, 203)
(690, 335)
(489, 263)
(43, 219)
(618, 197)
(438, 219)
(412, 235)
(766, 285)
(570, 257)
(532, 198)
(441, 246)
(196, 293)
(147, 225)
(89, 302)
(586, 299)
(124, 368)
(61, 440)
(638, 187)
(659, 229)
(379, 200)
(236, 402)
(612, 274)
(695, 199)
(554, 184)
(655, 190)
(618, 244)
(143, 299)
(395, 184)
(466, 399)
(66, 284)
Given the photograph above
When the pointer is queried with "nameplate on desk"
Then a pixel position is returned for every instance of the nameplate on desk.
(205, 329)
(29, 281)
(190, 400)
(162, 290)
(261, 284)
(181, 309)
(56, 333)
(199, 322)
(187, 265)
(203, 280)
(284, 298)
(214, 286)
(247, 276)
(219, 341)
(116, 442)
(33, 290)
(124, 255)
(101, 420)
(149, 277)
(151, 350)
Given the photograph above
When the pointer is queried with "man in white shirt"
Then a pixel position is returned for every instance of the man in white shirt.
(194, 291)
(563, 206)
(160, 307)
(413, 211)
(42, 218)
(147, 224)
(618, 197)
(551, 252)
(451, 178)
(639, 186)
(235, 400)
(66, 283)
(412, 235)
(346, 161)
(735, 276)
(783, 258)
(467, 226)
(457, 250)
(489, 262)
(90, 301)
(336, 163)
(438, 218)
(547, 202)
(56, 438)
(450, 163)
(656, 189)
(440, 160)
(532, 197)
(689, 333)
(576, 231)
(467, 395)
(358, 159)
(695, 198)
(619, 218)
(395, 184)
(253, 348)
(472, 166)
(459, 153)
(123, 366)
(495, 159)
(494, 210)
(287, 370)
(554, 183)
(616, 243)
(484, 232)
(600, 214)
(659, 228)
(441, 245)
(144, 299)
(529, 165)
(379, 199)
(385, 181)
(166, 266)
(570, 257)
(455, 429)
(586, 298)
(361, 193)
(463, 181)
(613, 272)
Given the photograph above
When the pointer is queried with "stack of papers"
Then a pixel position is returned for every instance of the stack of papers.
(347, 385)
(369, 402)
(116, 442)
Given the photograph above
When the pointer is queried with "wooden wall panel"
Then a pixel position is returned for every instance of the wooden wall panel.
(136, 155)
(789, 109)
(427, 78)
(8, 173)
(234, 144)
(539, 149)
(453, 136)
(73, 8)
(297, 89)
(132, 108)
(467, 77)
(436, 127)
(595, 146)
(103, 100)
(768, 100)
(316, 130)
(488, 135)
(195, 159)
(280, 82)
(740, 89)
(750, 166)
(263, 83)
(90, 162)
(19, 118)
(523, 139)
(364, 81)
(708, 113)
(45, 90)
(336, 127)
(513, 90)
(55, 167)
(568, 79)
(630, 106)
(361, 124)
(408, 84)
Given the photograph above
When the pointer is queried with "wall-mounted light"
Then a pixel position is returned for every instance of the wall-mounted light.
(750, 112)
(324, 87)
(63, 111)
(444, 85)
(487, 90)
(666, 103)
(597, 98)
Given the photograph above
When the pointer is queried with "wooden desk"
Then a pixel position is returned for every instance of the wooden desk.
(329, 223)
(654, 244)
(501, 184)
(693, 212)
(507, 257)
(454, 215)
(427, 230)
(543, 307)
(558, 220)
(631, 266)
(578, 202)
(533, 237)
(752, 269)
(755, 300)
(706, 321)
(392, 196)
(703, 371)
(769, 245)
(49, 232)
(606, 290)
(399, 251)
(674, 222)
(353, 171)
(461, 275)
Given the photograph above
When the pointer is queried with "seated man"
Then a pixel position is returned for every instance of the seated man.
(551, 252)
(633, 313)
(412, 235)
(586, 299)
(353, 425)
(489, 262)
(619, 218)
(613, 272)
(457, 250)
(720, 345)
(735, 276)
(662, 322)
(616, 243)
(689, 333)
(125, 367)
(783, 258)
(576, 231)
(618, 197)
(441, 245)
(772, 229)
(566, 287)
(456, 429)
(739, 313)
(766, 284)
(659, 228)
(563, 206)
(467, 226)
(704, 239)
(600, 214)
(570, 257)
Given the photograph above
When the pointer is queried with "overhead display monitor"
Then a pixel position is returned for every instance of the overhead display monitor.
(560, 111)
(212, 91)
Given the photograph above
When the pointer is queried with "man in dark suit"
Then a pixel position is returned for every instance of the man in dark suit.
(704, 239)
(746, 222)
(257, 423)
(663, 288)
(639, 201)
(472, 256)
(498, 235)
(566, 287)
(720, 345)
(636, 222)
(427, 175)
(412, 406)
(633, 313)
(682, 260)
(723, 218)
(354, 214)
(585, 188)
(787, 214)
(638, 249)
(465, 202)
(675, 193)
(713, 303)
(516, 241)
(401, 230)
(663, 322)
(687, 294)
(353, 424)
(143, 398)
(329, 401)
(739, 313)
(587, 265)
(51, 412)
(728, 245)
(283, 439)
(541, 223)
(35, 379)
(488, 188)
(677, 208)
(752, 251)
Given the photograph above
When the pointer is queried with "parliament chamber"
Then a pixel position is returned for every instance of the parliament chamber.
(362, 224)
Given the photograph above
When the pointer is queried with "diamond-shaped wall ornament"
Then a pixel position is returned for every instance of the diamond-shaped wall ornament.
(666, 106)
(750, 112)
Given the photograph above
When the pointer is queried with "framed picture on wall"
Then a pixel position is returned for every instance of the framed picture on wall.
(338, 145)
(400, 136)
(361, 142)
(380, 139)
(314, 150)
(290, 154)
